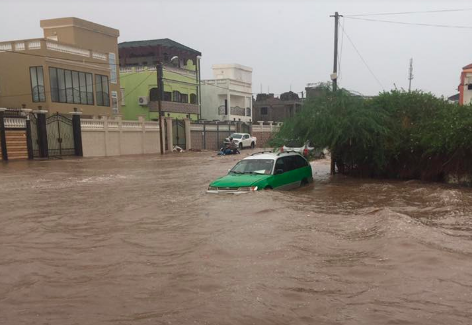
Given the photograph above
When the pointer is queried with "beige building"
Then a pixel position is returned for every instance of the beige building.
(75, 65)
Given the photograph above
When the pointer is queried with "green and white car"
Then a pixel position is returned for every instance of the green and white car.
(265, 170)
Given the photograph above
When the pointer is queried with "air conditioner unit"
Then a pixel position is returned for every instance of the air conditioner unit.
(143, 100)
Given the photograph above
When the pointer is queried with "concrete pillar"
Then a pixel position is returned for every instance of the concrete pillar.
(143, 129)
(119, 119)
(77, 131)
(42, 133)
(188, 134)
(270, 123)
(105, 127)
(170, 140)
(3, 134)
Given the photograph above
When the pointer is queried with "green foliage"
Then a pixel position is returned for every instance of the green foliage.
(396, 134)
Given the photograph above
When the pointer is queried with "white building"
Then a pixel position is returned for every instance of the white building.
(228, 97)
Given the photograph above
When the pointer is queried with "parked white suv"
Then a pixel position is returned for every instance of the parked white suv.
(244, 140)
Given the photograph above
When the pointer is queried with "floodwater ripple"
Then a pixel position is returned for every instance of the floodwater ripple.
(135, 240)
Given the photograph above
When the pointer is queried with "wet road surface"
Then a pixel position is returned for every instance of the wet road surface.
(135, 240)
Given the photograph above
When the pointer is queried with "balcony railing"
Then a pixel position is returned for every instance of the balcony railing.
(236, 111)
(37, 44)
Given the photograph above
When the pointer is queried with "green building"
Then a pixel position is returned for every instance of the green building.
(139, 79)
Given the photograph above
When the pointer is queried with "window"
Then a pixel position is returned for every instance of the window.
(184, 98)
(256, 166)
(83, 88)
(248, 111)
(154, 94)
(112, 62)
(285, 163)
(469, 87)
(176, 96)
(299, 162)
(193, 99)
(114, 102)
(101, 88)
(75, 87)
(71, 87)
(167, 96)
(263, 110)
(37, 84)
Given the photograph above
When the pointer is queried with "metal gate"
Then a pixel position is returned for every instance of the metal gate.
(178, 133)
(60, 136)
(244, 128)
(34, 135)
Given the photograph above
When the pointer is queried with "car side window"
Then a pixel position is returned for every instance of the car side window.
(300, 162)
(279, 164)
(246, 136)
(289, 163)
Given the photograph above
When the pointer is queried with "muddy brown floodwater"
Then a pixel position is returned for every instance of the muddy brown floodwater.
(135, 240)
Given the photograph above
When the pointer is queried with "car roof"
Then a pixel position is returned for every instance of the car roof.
(271, 155)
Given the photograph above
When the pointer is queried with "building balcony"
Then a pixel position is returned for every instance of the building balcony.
(50, 45)
(229, 84)
(236, 111)
(166, 68)
(174, 107)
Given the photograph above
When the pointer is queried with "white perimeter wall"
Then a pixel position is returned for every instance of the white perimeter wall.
(115, 137)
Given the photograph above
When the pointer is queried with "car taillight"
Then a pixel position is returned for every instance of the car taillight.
(305, 152)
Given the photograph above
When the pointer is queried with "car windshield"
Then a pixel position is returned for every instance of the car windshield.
(253, 166)
(236, 136)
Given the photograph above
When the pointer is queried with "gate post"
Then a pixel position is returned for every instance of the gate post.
(204, 135)
(42, 133)
(170, 134)
(77, 132)
(29, 139)
(3, 138)
(188, 134)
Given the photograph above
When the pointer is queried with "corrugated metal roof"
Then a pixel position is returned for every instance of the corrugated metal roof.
(158, 42)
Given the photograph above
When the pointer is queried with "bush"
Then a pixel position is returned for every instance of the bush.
(396, 134)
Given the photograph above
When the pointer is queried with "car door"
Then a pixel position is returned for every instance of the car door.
(246, 141)
(302, 169)
(285, 174)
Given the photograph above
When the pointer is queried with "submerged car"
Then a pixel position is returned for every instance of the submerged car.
(265, 170)
(306, 149)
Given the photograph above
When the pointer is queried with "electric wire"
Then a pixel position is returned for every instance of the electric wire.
(362, 58)
(413, 24)
(409, 12)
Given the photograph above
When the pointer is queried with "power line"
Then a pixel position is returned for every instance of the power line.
(409, 12)
(363, 60)
(132, 90)
(406, 23)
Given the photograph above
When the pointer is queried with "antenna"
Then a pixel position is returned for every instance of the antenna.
(410, 74)
(261, 87)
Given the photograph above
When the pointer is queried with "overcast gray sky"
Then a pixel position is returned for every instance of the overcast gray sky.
(287, 43)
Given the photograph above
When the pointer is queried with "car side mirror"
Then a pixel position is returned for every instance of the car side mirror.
(279, 171)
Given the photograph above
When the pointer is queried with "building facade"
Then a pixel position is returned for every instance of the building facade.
(228, 97)
(267, 107)
(139, 79)
(465, 87)
(73, 67)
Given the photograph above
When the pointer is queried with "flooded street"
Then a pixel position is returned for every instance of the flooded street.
(136, 240)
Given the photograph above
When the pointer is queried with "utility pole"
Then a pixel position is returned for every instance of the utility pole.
(334, 76)
(410, 74)
(160, 89)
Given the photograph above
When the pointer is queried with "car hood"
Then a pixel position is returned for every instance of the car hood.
(238, 180)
